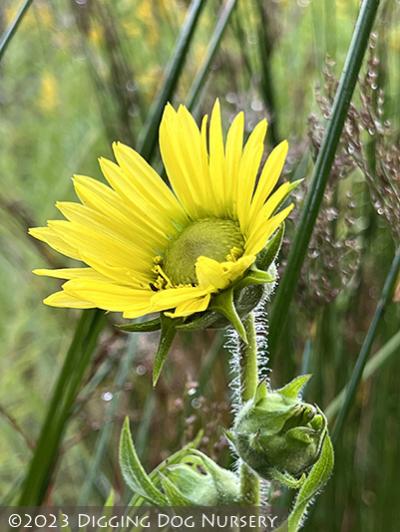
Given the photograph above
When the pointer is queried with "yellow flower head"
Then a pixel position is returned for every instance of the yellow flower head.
(153, 248)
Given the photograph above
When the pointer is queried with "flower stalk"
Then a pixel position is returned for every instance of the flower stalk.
(249, 481)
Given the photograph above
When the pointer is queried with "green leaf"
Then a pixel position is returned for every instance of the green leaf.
(144, 326)
(315, 481)
(168, 331)
(224, 304)
(132, 470)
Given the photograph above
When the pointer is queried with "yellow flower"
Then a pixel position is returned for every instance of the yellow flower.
(150, 248)
(48, 99)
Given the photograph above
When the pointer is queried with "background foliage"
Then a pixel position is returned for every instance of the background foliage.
(79, 74)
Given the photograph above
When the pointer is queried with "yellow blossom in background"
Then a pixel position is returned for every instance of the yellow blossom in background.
(96, 34)
(48, 94)
(150, 248)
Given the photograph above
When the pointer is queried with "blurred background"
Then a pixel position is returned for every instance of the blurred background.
(79, 74)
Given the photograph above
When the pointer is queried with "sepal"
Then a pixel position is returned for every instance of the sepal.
(168, 332)
(142, 326)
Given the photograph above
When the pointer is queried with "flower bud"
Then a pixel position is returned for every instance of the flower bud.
(277, 434)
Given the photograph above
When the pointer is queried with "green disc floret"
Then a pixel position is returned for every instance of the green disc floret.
(211, 237)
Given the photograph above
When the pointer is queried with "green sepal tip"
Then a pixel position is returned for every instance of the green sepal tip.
(293, 389)
(168, 332)
(144, 326)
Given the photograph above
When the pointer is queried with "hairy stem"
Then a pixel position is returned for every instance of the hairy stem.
(249, 482)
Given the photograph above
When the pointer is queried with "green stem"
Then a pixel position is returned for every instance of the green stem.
(249, 482)
(322, 170)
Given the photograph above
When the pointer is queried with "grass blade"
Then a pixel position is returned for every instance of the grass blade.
(391, 347)
(9, 34)
(148, 137)
(215, 41)
(366, 347)
(35, 485)
(322, 168)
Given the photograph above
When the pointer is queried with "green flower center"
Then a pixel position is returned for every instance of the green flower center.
(211, 237)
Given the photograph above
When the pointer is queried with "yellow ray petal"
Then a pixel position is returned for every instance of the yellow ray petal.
(109, 296)
(269, 176)
(61, 299)
(85, 216)
(278, 197)
(125, 276)
(234, 146)
(218, 275)
(141, 178)
(176, 154)
(47, 235)
(263, 229)
(143, 190)
(102, 246)
(249, 165)
(105, 200)
(171, 297)
(70, 273)
(217, 158)
(199, 304)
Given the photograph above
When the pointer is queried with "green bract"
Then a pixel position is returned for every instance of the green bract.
(278, 435)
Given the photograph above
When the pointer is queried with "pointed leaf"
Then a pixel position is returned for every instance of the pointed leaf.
(202, 322)
(132, 470)
(168, 331)
(294, 387)
(267, 256)
(224, 304)
(316, 479)
(144, 326)
(261, 392)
